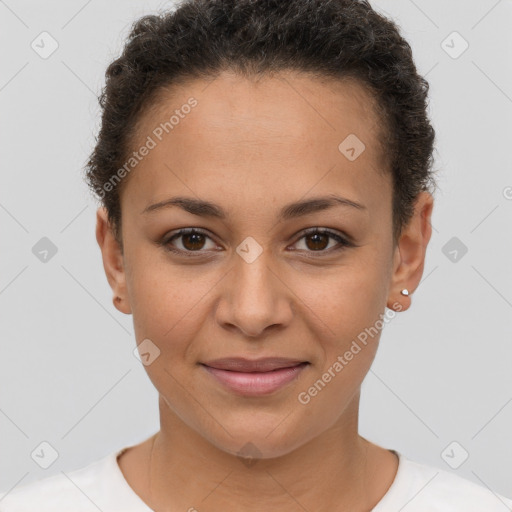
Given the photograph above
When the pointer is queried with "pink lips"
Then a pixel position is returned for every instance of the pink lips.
(254, 377)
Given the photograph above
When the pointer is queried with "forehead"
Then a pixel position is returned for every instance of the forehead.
(287, 133)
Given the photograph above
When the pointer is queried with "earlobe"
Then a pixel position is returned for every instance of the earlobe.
(113, 261)
(410, 253)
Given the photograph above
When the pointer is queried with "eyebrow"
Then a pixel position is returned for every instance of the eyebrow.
(293, 210)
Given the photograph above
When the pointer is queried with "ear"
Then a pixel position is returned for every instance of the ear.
(113, 261)
(409, 255)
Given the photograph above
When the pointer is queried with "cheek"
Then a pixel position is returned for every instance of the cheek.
(347, 299)
(168, 302)
(351, 306)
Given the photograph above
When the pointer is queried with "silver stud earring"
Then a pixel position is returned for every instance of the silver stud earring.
(405, 292)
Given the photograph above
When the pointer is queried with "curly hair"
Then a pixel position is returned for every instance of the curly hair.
(340, 39)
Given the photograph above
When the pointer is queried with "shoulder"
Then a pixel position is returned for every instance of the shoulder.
(451, 492)
(77, 490)
(422, 488)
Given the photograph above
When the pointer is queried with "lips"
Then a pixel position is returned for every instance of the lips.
(240, 364)
(254, 377)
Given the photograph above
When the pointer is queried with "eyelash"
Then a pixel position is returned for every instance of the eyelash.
(343, 242)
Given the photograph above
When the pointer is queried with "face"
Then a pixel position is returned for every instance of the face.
(259, 277)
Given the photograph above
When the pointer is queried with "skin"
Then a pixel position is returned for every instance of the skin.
(251, 147)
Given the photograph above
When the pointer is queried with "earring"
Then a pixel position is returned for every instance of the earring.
(405, 292)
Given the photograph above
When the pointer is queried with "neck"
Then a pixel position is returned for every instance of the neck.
(335, 470)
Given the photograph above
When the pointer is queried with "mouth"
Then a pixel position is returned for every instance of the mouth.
(254, 377)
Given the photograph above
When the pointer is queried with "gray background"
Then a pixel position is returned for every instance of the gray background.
(68, 373)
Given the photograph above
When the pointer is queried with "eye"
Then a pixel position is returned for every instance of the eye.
(193, 240)
(317, 240)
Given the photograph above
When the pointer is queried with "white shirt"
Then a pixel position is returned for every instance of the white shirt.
(101, 486)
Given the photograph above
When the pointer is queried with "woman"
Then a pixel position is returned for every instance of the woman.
(265, 175)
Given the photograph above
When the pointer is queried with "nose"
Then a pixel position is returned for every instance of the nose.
(255, 298)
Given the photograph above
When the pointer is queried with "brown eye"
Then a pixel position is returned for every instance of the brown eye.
(192, 240)
(317, 240)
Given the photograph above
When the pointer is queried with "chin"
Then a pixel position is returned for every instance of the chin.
(258, 440)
